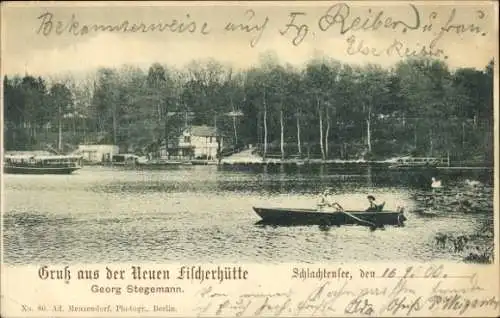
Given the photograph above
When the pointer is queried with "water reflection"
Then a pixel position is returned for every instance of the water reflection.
(204, 213)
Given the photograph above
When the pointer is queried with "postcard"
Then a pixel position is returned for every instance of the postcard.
(245, 159)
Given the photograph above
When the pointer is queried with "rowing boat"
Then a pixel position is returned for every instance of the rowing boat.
(284, 216)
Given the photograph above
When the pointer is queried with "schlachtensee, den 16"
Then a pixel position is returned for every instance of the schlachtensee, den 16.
(204, 213)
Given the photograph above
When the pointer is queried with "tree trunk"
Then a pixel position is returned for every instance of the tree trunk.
(327, 131)
(368, 130)
(114, 126)
(431, 143)
(235, 129)
(165, 128)
(219, 150)
(368, 135)
(463, 136)
(159, 124)
(265, 126)
(30, 131)
(282, 135)
(100, 125)
(59, 139)
(299, 146)
(320, 128)
(85, 130)
(415, 134)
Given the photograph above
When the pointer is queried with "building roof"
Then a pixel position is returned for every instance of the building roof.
(28, 153)
(203, 131)
(38, 157)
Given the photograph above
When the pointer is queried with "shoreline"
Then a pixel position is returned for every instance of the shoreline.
(298, 164)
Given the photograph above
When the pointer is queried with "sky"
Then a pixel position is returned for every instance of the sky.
(30, 42)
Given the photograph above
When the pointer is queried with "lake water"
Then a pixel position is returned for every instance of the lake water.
(204, 214)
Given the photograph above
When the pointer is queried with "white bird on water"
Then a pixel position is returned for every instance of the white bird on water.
(472, 183)
(435, 183)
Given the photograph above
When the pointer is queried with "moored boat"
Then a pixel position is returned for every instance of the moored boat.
(124, 159)
(163, 162)
(284, 216)
(418, 162)
(31, 164)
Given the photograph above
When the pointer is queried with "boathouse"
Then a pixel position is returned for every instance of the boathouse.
(198, 142)
(97, 153)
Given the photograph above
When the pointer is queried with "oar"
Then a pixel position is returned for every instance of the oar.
(358, 219)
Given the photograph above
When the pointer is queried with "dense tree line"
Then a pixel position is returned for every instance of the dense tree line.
(326, 109)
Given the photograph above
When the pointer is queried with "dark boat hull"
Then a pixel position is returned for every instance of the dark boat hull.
(37, 170)
(280, 216)
(412, 167)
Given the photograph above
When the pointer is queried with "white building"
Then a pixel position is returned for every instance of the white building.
(199, 142)
(97, 153)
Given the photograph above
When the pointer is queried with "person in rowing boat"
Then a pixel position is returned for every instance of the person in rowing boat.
(373, 205)
(326, 201)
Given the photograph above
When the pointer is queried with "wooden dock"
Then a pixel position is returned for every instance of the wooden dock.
(465, 168)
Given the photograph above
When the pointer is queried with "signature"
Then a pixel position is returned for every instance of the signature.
(402, 293)
(256, 304)
(459, 303)
(399, 48)
(323, 299)
(340, 19)
(340, 14)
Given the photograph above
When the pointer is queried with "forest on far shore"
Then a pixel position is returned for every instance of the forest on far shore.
(324, 109)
